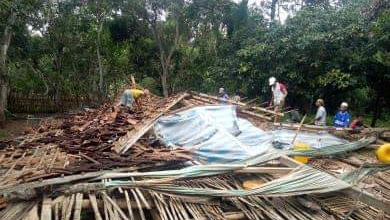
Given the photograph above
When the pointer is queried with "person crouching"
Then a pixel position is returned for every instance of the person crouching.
(129, 96)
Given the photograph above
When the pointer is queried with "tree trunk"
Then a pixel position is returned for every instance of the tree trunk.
(4, 84)
(273, 8)
(165, 56)
(99, 59)
(377, 110)
(164, 82)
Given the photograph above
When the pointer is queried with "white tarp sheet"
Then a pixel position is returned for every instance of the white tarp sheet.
(216, 135)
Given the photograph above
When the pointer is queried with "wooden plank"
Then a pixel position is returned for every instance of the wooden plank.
(132, 136)
(234, 215)
(238, 103)
(33, 214)
(113, 203)
(268, 170)
(313, 127)
(69, 208)
(216, 98)
(256, 115)
(267, 111)
(203, 100)
(78, 206)
(93, 204)
(128, 203)
(46, 209)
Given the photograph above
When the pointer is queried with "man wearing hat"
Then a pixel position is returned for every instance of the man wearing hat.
(279, 93)
(341, 119)
(223, 96)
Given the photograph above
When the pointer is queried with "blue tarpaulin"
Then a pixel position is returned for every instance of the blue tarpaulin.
(216, 135)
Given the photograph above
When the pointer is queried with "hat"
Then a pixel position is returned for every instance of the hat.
(221, 90)
(344, 104)
(272, 81)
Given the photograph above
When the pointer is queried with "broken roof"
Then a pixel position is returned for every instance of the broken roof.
(64, 169)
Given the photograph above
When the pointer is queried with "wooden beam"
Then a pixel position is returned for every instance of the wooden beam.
(256, 115)
(267, 111)
(268, 170)
(229, 216)
(239, 103)
(234, 215)
(124, 143)
(206, 101)
(313, 127)
(353, 192)
(46, 209)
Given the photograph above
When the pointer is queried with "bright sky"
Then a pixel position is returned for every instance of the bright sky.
(283, 13)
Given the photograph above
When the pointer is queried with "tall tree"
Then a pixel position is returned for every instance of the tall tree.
(11, 12)
(162, 16)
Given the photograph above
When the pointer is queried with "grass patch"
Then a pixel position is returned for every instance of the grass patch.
(3, 133)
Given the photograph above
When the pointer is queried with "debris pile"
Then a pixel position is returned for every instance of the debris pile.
(82, 143)
(104, 164)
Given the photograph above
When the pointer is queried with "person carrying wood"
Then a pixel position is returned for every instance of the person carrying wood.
(129, 96)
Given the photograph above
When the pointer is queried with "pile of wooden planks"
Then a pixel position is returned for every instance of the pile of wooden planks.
(248, 110)
(82, 143)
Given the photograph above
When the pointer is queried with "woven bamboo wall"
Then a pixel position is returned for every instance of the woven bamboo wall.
(35, 103)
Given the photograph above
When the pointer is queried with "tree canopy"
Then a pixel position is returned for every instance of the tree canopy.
(337, 50)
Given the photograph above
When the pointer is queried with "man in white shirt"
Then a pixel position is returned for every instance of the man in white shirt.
(320, 118)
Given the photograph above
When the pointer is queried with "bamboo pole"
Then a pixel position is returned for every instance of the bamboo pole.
(78, 206)
(299, 128)
(46, 209)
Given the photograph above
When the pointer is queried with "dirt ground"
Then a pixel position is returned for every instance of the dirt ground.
(22, 124)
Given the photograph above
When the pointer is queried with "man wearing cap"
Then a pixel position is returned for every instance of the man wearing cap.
(341, 119)
(129, 96)
(279, 93)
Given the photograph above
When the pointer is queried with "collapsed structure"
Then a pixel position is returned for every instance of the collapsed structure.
(108, 164)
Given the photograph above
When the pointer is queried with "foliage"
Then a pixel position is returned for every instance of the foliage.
(338, 51)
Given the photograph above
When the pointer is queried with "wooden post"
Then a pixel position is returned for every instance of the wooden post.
(299, 128)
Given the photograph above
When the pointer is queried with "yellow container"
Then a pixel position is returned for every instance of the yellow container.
(301, 146)
(383, 153)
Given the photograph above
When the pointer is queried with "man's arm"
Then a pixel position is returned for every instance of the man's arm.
(346, 120)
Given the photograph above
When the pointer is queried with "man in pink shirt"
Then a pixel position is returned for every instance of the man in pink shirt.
(279, 94)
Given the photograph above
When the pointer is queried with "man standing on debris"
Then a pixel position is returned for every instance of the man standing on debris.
(320, 118)
(223, 96)
(341, 119)
(129, 96)
(279, 94)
